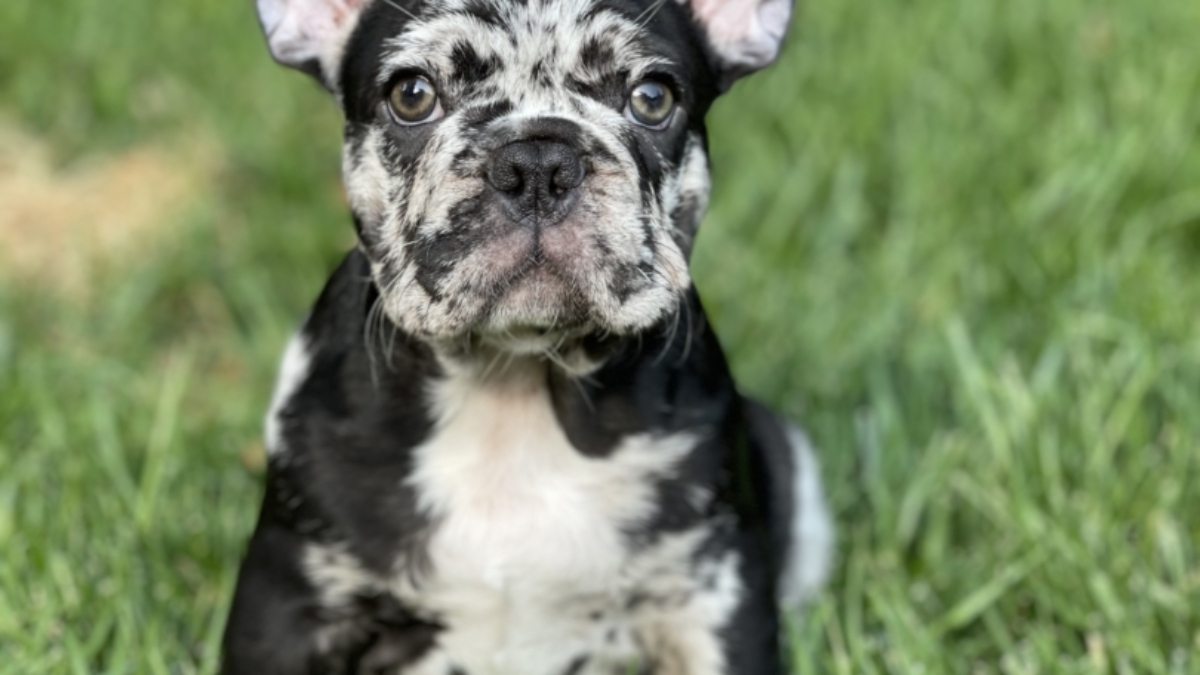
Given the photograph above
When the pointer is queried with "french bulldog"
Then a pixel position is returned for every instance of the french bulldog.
(506, 441)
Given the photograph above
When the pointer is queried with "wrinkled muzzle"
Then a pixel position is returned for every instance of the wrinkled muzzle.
(526, 228)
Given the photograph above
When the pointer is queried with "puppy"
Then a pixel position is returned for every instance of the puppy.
(506, 441)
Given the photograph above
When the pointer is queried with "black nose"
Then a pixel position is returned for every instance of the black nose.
(538, 180)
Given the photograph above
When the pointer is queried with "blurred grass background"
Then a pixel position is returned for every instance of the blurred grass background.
(958, 238)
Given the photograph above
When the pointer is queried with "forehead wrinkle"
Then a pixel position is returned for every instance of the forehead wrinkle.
(526, 34)
(430, 44)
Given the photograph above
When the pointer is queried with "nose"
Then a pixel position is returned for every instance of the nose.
(537, 180)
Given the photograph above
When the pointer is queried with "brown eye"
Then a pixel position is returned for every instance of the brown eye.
(651, 103)
(413, 100)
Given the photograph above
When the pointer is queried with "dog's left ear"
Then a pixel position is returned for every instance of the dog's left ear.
(309, 35)
(745, 35)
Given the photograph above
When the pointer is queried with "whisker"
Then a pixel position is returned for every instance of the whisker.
(687, 343)
(648, 14)
(393, 5)
(551, 354)
(491, 365)
(391, 351)
(587, 399)
(368, 339)
(670, 336)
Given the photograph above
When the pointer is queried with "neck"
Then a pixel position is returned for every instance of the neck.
(365, 396)
(669, 377)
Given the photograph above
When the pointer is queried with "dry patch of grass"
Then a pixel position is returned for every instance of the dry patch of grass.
(63, 225)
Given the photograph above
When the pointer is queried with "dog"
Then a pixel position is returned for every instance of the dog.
(506, 440)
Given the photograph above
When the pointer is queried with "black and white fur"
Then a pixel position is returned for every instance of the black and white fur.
(507, 441)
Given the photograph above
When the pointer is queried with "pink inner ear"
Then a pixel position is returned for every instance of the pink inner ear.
(300, 30)
(746, 33)
(342, 10)
(728, 21)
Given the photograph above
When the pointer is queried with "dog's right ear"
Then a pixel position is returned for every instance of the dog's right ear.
(309, 35)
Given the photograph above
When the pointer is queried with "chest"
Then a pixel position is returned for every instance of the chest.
(530, 564)
(514, 503)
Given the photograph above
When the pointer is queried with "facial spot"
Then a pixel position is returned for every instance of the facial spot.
(469, 68)
(443, 203)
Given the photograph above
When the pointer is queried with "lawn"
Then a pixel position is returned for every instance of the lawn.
(959, 239)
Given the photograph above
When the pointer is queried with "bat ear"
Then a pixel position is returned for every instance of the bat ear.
(745, 35)
(309, 35)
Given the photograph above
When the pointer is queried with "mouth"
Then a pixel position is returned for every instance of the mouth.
(532, 340)
(533, 286)
(537, 306)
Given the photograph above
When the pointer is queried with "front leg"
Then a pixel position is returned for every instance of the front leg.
(278, 625)
(725, 622)
(274, 624)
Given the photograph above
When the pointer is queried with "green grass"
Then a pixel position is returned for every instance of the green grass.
(959, 239)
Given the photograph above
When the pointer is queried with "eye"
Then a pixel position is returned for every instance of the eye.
(650, 104)
(414, 100)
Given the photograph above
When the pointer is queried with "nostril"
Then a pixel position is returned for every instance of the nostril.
(504, 177)
(568, 176)
(513, 186)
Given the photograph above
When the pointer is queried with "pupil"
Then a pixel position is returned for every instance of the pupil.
(652, 97)
(414, 92)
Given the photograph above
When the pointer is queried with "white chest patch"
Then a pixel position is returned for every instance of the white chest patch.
(529, 570)
(515, 501)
